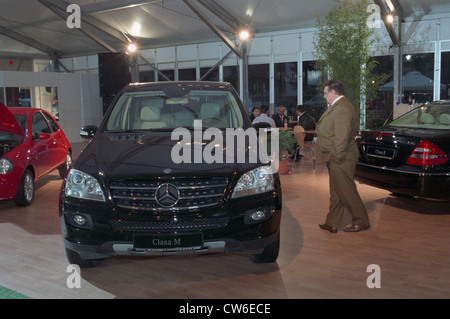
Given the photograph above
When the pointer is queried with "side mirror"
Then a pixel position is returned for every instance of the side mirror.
(88, 131)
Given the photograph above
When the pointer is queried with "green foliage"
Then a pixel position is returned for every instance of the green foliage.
(343, 47)
(286, 142)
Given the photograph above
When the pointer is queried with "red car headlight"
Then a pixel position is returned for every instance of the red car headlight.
(5, 166)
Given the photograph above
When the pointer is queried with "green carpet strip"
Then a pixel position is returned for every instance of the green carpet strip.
(6, 293)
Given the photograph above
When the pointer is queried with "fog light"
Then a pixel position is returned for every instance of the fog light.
(258, 215)
(79, 220)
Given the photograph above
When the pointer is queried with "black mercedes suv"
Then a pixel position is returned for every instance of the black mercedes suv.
(171, 169)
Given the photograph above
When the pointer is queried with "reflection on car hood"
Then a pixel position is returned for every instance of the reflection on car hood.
(143, 155)
(7, 121)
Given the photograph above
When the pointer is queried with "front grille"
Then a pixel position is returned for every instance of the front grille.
(199, 224)
(193, 193)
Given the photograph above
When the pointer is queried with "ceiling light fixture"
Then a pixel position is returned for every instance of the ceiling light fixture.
(244, 35)
(390, 18)
(132, 48)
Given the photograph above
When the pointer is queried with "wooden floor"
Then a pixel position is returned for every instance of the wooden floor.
(409, 240)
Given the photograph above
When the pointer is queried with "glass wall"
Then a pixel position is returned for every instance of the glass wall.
(212, 76)
(445, 75)
(312, 93)
(286, 86)
(379, 109)
(231, 74)
(187, 74)
(170, 74)
(417, 81)
(418, 78)
(147, 76)
(258, 85)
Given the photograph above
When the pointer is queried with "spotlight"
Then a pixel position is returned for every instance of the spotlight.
(390, 18)
(244, 35)
(132, 48)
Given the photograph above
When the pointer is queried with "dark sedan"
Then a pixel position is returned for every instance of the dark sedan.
(410, 155)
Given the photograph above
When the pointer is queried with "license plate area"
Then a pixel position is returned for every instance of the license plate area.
(168, 242)
(380, 152)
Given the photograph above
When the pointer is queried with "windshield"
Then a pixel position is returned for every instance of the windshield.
(156, 110)
(432, 116)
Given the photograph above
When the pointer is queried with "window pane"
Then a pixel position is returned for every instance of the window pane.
(212, 76)
(258, 85)
(418, 78)
(380, 108)
(230, 74)
(147, 76)
(445, 75)
(187, 75)
(312, 94)
(170, 74)
(286, 86)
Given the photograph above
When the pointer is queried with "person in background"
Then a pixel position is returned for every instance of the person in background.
(55, 108)
(306, 121)
(336, 146)
(255, 113)
(263, 117)
(280, 117)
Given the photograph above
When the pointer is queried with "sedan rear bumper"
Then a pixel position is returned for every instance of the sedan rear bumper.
(405, 180)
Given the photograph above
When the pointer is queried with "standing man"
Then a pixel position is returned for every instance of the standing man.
(280, 117)
(336, 146)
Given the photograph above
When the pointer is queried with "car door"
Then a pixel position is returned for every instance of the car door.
(40, 142)
(57, 147)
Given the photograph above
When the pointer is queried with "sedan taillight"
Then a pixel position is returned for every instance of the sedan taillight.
(427, 153)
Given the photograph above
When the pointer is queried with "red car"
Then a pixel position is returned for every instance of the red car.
(32, 144)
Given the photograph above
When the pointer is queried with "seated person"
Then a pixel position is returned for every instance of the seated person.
(306, 121)
(263, 117)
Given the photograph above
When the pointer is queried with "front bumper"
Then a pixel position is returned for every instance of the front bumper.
(408, 180)
(110, 232)
(9, 184)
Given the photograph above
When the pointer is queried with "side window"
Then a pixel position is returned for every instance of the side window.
(52, 123)
(39, 125)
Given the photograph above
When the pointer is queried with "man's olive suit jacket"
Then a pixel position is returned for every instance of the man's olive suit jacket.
(336, 131)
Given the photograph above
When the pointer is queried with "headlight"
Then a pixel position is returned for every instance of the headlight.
(5, 166)
(256, 181)
(82, 185)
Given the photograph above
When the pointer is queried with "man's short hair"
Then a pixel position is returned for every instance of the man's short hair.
(264, 108)
(335, 85)
(300, 108)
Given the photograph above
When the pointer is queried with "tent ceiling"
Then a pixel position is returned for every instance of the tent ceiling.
(39, 28)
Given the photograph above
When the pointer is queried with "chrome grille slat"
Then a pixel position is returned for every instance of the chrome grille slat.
(195, 193)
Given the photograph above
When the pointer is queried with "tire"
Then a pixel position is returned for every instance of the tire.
(74, 258)
(65, 167)
(25, 193)
(270, 253)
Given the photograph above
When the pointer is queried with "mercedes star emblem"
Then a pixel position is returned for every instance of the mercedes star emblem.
(167, 195)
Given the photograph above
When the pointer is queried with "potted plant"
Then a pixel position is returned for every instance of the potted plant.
(286, 147)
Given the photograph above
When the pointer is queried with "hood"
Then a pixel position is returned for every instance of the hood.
(119, 156)
(7, 121)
